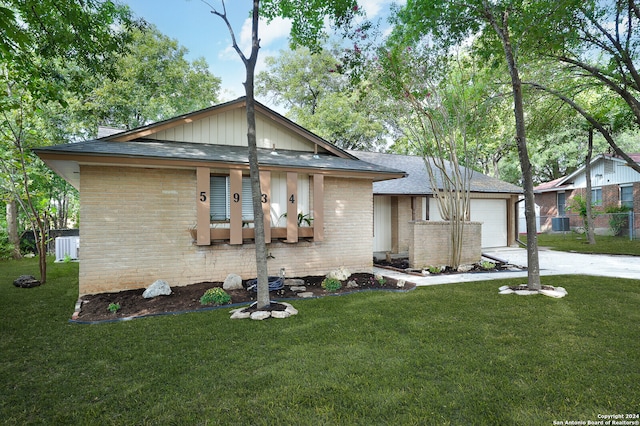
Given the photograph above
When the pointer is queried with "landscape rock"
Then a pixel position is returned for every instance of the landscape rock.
(305, 294)
(232, 282)
(26, 281)
(465, 268)
(239, 314)
(298, 288)
(340, 274)
(280, 314)
(260, 315)
(525, 292)
(293, 281)
(290, 309)
(352, 284)
(553, 293)
(400, 283)
(506, 291)
(158, 288)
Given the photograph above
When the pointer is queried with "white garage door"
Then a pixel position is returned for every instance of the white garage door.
(493, 215)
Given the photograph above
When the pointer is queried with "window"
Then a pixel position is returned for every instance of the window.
(219, 200)
(224, 207)
(626, 196)
(596, 196)
(561, 203)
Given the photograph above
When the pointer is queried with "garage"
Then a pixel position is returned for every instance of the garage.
(493, 215)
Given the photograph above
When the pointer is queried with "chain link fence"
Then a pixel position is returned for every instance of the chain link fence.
(625, 224)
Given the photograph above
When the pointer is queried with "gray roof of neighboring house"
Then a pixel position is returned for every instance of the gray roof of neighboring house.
(153, 149)
(417, 181)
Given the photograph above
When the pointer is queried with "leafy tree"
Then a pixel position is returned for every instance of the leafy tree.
(323, 99)
(506, 30)
(601, 46)
(308, 20)
(154, 82)
(43, 46)
(438, 118)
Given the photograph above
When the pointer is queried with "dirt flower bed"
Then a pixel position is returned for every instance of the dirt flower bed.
(131, 304)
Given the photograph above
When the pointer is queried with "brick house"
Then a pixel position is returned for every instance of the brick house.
(172, 200)
(613, 183)
(399, 202)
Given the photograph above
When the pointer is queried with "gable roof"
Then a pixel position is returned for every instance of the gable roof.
(136, 148)
(567, 182)
(149, 130)
(417, 180)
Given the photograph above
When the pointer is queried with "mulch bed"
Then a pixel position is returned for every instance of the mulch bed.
(94, 308)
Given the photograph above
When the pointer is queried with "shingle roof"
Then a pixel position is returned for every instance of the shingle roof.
(153, 149)
(417, 182)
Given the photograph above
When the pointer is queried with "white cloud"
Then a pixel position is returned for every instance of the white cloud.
(268, 34)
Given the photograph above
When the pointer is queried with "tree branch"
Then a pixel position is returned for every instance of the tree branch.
(591, 119)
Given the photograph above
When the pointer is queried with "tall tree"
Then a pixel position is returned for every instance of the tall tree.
(42, 46)
(439, 116)
(506, 29)
(154, 82)
(308, 20)
(323, 99)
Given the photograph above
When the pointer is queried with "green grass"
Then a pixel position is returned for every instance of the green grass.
(453, 354)
(575, 242)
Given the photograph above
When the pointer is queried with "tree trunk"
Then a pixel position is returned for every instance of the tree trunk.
(533, 266)
(588, 220)
(12, 228)
(254, 170)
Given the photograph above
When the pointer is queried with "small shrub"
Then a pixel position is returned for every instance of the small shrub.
(215, 296)
(619, 220)
(331, 284)
(485, 264)
(434, 269)
(113, 307)
(380, 279)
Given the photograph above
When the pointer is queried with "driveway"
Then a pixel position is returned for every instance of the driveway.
(551, 263)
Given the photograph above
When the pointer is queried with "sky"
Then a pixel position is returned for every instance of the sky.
(205, 34)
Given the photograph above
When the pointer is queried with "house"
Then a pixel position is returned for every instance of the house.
(172, 200)
(613, 184)
(400, 201)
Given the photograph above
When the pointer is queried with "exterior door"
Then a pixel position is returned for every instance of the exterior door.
(382, 223)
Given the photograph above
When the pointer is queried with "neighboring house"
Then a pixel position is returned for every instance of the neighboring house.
(171, 200)
(400, 201)
(613, 184)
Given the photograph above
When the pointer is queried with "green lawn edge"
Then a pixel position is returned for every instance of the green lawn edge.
(450, 354)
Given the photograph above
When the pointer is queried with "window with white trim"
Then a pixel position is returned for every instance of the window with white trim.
(626, 196)
(220, 199)
(596, 196)
(561, 204)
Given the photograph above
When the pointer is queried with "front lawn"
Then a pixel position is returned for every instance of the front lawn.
(451, 354)
(572, 241)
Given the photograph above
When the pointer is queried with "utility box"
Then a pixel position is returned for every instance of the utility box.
(560, 224)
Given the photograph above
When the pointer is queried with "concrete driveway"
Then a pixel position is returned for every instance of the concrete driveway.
(551, 263)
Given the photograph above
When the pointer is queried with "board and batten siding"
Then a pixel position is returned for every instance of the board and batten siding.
(608, 172)
(230, 128)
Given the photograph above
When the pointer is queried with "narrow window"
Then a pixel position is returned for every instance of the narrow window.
(561, 204)
(596, 196)
(626, 196)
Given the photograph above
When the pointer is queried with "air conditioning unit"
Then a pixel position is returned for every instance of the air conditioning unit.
(67, 246)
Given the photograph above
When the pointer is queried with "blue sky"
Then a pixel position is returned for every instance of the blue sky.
(205, 35)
